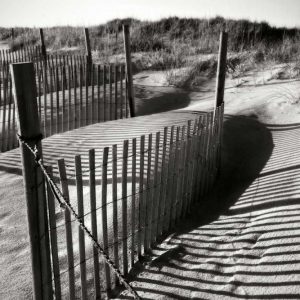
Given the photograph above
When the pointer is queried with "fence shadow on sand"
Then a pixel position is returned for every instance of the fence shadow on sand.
(98, 136)
(241, 241)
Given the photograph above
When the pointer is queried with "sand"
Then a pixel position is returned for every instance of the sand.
(242, 242)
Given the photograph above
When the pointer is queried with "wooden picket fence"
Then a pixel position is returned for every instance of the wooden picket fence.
(71, 91)
(36, 55)
(128, 197)
(117, 202)
(23, 54)
(69, 95)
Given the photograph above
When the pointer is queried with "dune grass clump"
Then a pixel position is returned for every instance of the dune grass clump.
(193, 74)
(157, 35)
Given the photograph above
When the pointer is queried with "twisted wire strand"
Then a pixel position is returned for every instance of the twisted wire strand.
(66, 205)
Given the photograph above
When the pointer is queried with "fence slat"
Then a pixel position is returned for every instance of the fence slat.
(51, 103)
(93, 94)
(104, 213)
(181, 173)
(75, 98)
(141, 197)
(127, 110)
(201, 159)
(39, 88)
(155, 195)
(162, 188)
(186, 168)
(116, 91)
(105, 113)
(81, 238)
(173, 206)
(148, 202)
(110, 92)
(133, 200)
(53, 238)
(169, 180)
(193, 172)
(86, 97)
(69, 97)
(210, 150)
(68, 228)
(45, 78)
(92, 187)
(115, 203)
(57, 100)
(207, 153)
(98, 110)
(198, 176)
(204, 157)
(124, 207)
(63, 87)
(14, 136)
(80, 96)
(191, 168)
(121, 92)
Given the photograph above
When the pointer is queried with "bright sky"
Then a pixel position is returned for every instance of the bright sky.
(37, 13)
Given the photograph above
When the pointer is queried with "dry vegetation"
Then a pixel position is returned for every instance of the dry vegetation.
(185, 48)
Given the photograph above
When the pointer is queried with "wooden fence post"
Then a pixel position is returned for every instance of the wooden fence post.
(220, 86)
(221, 71)
(24, 91)
(88, 54)
(87, 43)
(129, 69)
(43, 47)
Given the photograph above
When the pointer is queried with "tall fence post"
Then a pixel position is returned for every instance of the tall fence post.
(220, 86)
(88, 54)
(43, 47)
(221, 71)
(88, 51)
(24, 91)
(129, 69)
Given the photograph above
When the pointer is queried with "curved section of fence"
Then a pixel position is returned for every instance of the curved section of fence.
(130, 200)
(119, 207)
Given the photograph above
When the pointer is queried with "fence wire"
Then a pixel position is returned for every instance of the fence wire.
(204, 128)
(64, 204)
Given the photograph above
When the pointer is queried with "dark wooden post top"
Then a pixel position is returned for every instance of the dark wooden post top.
(221, 71)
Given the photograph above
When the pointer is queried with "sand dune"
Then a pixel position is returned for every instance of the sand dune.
(243, 240)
